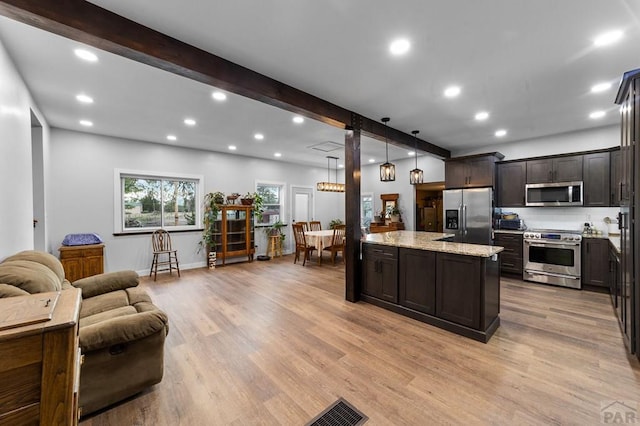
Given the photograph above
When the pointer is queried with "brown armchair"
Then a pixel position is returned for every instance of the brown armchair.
(121, 332)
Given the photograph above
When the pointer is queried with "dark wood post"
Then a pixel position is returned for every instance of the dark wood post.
(352, 213)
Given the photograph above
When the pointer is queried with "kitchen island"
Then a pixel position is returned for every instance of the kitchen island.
(453, 286)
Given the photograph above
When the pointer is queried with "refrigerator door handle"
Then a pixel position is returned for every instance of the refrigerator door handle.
(464, 219)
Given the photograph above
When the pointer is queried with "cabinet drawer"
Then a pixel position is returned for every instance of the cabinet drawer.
(20, 387)
(380, 250)
(20, 352)
(513, 238)
(92, 252)
(510, 263)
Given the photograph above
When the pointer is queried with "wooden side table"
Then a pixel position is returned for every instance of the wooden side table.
(40, 359)
(82, 261)
(275, 246)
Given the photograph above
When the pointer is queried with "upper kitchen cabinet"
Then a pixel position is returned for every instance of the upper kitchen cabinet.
(615, 176)
(473, 171)
(559, 169)
(511, 181)
(596, 179)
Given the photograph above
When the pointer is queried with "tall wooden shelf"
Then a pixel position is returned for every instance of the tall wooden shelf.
(236, 234)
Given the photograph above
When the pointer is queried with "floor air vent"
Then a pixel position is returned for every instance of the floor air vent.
(340, 413)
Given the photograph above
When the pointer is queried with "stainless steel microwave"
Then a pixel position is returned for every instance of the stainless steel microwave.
(553, 194)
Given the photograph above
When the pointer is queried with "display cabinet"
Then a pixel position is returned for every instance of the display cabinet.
(235, 236)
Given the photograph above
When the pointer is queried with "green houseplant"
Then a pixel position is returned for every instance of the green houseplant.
(211, 204)
(258, 203)
(334, 223)
(275, 229)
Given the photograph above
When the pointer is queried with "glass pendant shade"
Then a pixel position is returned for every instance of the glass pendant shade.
(416, 176)
(387, 170)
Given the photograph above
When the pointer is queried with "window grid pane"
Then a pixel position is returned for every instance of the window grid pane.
(150, 203)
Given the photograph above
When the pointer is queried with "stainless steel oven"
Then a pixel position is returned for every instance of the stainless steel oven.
(552, 257)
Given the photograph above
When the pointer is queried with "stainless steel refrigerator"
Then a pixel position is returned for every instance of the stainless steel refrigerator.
(468, 214)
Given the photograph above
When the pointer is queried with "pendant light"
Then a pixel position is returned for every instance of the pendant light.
(328, 186)
(416, 176)
(387, 170)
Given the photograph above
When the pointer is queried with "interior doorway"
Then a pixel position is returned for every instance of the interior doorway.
(429, 207)
(37, 171)
(302, 204)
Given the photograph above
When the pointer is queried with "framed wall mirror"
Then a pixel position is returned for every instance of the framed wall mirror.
(389, 201)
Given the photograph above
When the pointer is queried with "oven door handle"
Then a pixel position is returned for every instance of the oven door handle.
(550, 274)
(546, 243)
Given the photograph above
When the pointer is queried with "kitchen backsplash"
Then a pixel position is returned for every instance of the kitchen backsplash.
(567, 218)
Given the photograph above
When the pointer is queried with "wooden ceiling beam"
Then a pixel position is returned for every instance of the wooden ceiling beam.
(92, 25)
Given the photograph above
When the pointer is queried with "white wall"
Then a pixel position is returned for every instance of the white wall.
(82, 193)
(586, 140)
(433, 172)
(16, 191)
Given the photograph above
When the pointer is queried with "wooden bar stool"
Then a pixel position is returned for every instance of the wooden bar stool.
(275, 246)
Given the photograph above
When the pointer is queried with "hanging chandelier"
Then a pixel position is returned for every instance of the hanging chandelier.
(416, 175)
(387, 170)
(328, 186)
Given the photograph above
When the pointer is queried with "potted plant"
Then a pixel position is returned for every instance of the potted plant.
(211, 204)
(394, 214)
(275, 229)
(258, 203)
(334, 223)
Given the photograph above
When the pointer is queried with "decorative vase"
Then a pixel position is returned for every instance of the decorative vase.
(395, 218)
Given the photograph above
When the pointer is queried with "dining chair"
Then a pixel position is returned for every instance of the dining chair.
(305, 226)
(315, 225)
(301, 244)
(161, 242)
(337, 243)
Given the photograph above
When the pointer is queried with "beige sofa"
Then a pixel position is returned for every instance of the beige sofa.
(121, 332)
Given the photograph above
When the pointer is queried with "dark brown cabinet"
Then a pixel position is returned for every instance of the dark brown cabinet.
(458, 287)
(558, 169)
(380, 272)
(596, 179)
(595, 262)
(417, 283)
(512, 178)
(474, 171)
(615, 176)
(511, 257)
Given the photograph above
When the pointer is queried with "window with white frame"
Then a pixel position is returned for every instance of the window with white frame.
(366, 208)
(148, 201)
(272, 202)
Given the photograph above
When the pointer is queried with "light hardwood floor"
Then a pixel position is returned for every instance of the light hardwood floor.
(275, 343)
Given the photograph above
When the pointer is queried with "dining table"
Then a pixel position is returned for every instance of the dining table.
(319, 239)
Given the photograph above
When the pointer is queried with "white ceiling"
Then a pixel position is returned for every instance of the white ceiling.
(531, 64)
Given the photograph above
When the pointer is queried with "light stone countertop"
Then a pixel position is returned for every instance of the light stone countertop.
(508, 231)
(428, 241)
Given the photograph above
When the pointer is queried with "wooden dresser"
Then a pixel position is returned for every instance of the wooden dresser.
(40, 359)
(375, 228)
(82, 261)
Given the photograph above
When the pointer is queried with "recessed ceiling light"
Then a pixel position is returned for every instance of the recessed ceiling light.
(399, 46)
(411, 153)
(597, 114)
(219, 96)
(500, 133)
(86, 123)
(298, 120)
(607, 38)
(452, 91)
(482, 115)
(341, 166)
(232, 148)
(172, 137)
(372, 160)
(601, 87)
(86, 55)
(277, 154)
(189, 121)
(258, 136)
(84, 99)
